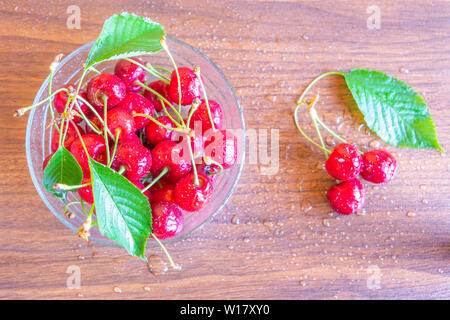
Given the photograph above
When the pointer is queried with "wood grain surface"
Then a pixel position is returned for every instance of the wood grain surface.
(277, 237)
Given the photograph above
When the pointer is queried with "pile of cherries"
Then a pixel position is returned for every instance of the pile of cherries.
(148, 151)
(345, 163)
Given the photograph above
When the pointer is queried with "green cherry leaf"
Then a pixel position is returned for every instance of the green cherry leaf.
(126, 35)
(62, 168)
(123, 212)
(392, 109)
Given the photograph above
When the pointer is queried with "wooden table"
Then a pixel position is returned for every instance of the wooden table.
(277, 237)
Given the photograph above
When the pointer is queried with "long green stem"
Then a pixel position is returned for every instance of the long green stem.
(151, 70)
(181, 130)
(162, 173)
(313, 118)
(94, 111)
(156, 93)
(329, 130)
(191, 154)
(116, 142)
(172, 264)
(23, 110)
(105, 127)
(197, 73)
(166, 49)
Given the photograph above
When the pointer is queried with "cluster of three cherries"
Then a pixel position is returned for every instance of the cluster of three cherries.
(345, 163)
(161, 153)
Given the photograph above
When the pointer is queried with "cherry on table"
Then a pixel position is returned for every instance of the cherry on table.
(379, 166)
(95, 146)
(129, 73)
(344, 163)
(71, 135)
(105, 85)
(201, 116)
(163, 89)
(192, 197)
(169, 154)
(136, 158)
(346, 197)
(167, 219)
(155, 134)
(135, 103)
(189, 83)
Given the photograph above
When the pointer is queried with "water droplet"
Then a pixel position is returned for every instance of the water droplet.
(326, 223)
(305, 37)
(117, 290)
(302, 283)
(423, 187)
(146, 288)
(306, 206)
(235, 219)
(403, 70)
(156, 265)
(411, 214)
(329, 141)
(246, 240)
(424, 201)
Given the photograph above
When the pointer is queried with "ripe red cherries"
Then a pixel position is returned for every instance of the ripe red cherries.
(190, 86)
(108, 86)
(379, 166)
(344, 163)
(346, 197)
(192, 197)
(130, 73)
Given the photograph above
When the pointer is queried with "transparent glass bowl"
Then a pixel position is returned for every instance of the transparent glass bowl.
(38, 139)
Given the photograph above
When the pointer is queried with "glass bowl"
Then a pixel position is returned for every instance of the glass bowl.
(38, 138)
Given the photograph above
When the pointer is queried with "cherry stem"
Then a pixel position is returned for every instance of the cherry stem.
(179, 129)
(116, 142)
(105, 127)
(166, 48)
(168, 114)
(94, 111)
(302, 132)
(194, 107)
(23, 110)
(197, 73)
(328, 129)
(210, 161)
(94, 69)
(150, 70)
(313, 118)
(71, 203)
(162, 173)
(172, 264)
(122, 169)
(64, 187)
(156, 93)
(52, 112)
(191, 154)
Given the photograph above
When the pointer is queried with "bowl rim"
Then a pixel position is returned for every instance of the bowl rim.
(111, 243)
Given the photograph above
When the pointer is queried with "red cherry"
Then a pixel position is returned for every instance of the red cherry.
(166, 193)
(347, 197)
(46, 160)
(105, 85)
(60, 101)
(222, 148)
(71, 136)
(344, 163)
(201, 116)
(136, 158)
(154, 133)
(86, 193)
(119, 119)
(134, 102)
(169, 154)
(191, 197)
(379, 166)
(167, 220)
(129, 73)
(190, 86)
(163, 89)
(140, 186)
(95, 146)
